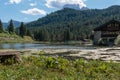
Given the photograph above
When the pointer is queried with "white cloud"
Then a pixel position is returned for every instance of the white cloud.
(15, 1)
(33, 4)
(34, 11)
(61, 3)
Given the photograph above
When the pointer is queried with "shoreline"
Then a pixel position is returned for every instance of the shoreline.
(103, 54)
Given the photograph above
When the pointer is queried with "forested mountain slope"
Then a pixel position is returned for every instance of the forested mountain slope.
(78, 24)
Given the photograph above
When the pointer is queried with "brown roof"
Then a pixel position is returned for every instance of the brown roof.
(105, 28)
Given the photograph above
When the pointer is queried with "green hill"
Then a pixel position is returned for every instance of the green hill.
(78, 24)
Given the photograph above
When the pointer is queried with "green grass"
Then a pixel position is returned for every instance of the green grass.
(49, 68)
(13, 38)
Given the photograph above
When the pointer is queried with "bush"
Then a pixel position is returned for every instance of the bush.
(28, 39)
(56, 63)
(117, 40)
(101, 42)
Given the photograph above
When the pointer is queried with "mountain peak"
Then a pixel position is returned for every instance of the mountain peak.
(75, 6)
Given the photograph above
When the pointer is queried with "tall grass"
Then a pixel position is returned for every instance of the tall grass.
(13, 38)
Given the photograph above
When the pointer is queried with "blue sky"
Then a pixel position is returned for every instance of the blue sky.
(29, 10)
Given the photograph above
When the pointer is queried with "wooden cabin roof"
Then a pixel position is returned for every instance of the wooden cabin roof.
(112, 25)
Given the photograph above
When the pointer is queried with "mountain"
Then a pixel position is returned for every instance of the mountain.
(79, 23)
(16, 24)
(75, 6)
(67, 15)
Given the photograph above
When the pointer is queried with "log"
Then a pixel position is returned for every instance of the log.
(10, 57)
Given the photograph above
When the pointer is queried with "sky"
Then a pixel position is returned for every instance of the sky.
(30, 10)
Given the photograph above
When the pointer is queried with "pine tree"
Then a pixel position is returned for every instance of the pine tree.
(46, 35)
(28, 33)
(67, 35)
(1, 27)
(11, 27)
(23, 30)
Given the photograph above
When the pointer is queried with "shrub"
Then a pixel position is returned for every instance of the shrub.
(102, 42)
(117, 40)
(56, 63)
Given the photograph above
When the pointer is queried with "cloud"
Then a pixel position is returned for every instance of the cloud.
(33, 4)
(34, 11)
(61, 3)
(14, 1)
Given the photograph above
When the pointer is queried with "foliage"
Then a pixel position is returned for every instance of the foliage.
(51, 68)
(9, 60)
(101, 41)
(27, 39)
(117, 40)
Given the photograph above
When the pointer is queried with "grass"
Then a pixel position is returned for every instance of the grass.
(13, 38)
(73, 43)
(51, 68)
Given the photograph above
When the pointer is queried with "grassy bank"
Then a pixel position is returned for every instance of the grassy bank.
(74, 43)
(48, 68)
(13, 38)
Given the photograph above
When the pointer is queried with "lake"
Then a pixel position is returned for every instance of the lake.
(19, 46)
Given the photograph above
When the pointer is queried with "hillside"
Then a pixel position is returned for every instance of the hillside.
(79, 23)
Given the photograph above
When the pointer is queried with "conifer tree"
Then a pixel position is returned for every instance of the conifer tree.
(1, 27)
(28, 33)
(67, 35)
(23, 30)
(11, 27)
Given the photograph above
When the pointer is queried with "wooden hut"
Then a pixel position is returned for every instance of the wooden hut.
(107, 33)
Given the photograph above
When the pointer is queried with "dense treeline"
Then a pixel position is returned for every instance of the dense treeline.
(69, 24)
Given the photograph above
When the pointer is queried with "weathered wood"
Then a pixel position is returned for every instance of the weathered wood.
(10, 57)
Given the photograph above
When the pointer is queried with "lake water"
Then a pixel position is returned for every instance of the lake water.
(19, 46)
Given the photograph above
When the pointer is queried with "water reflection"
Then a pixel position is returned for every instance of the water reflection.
(38, 46)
